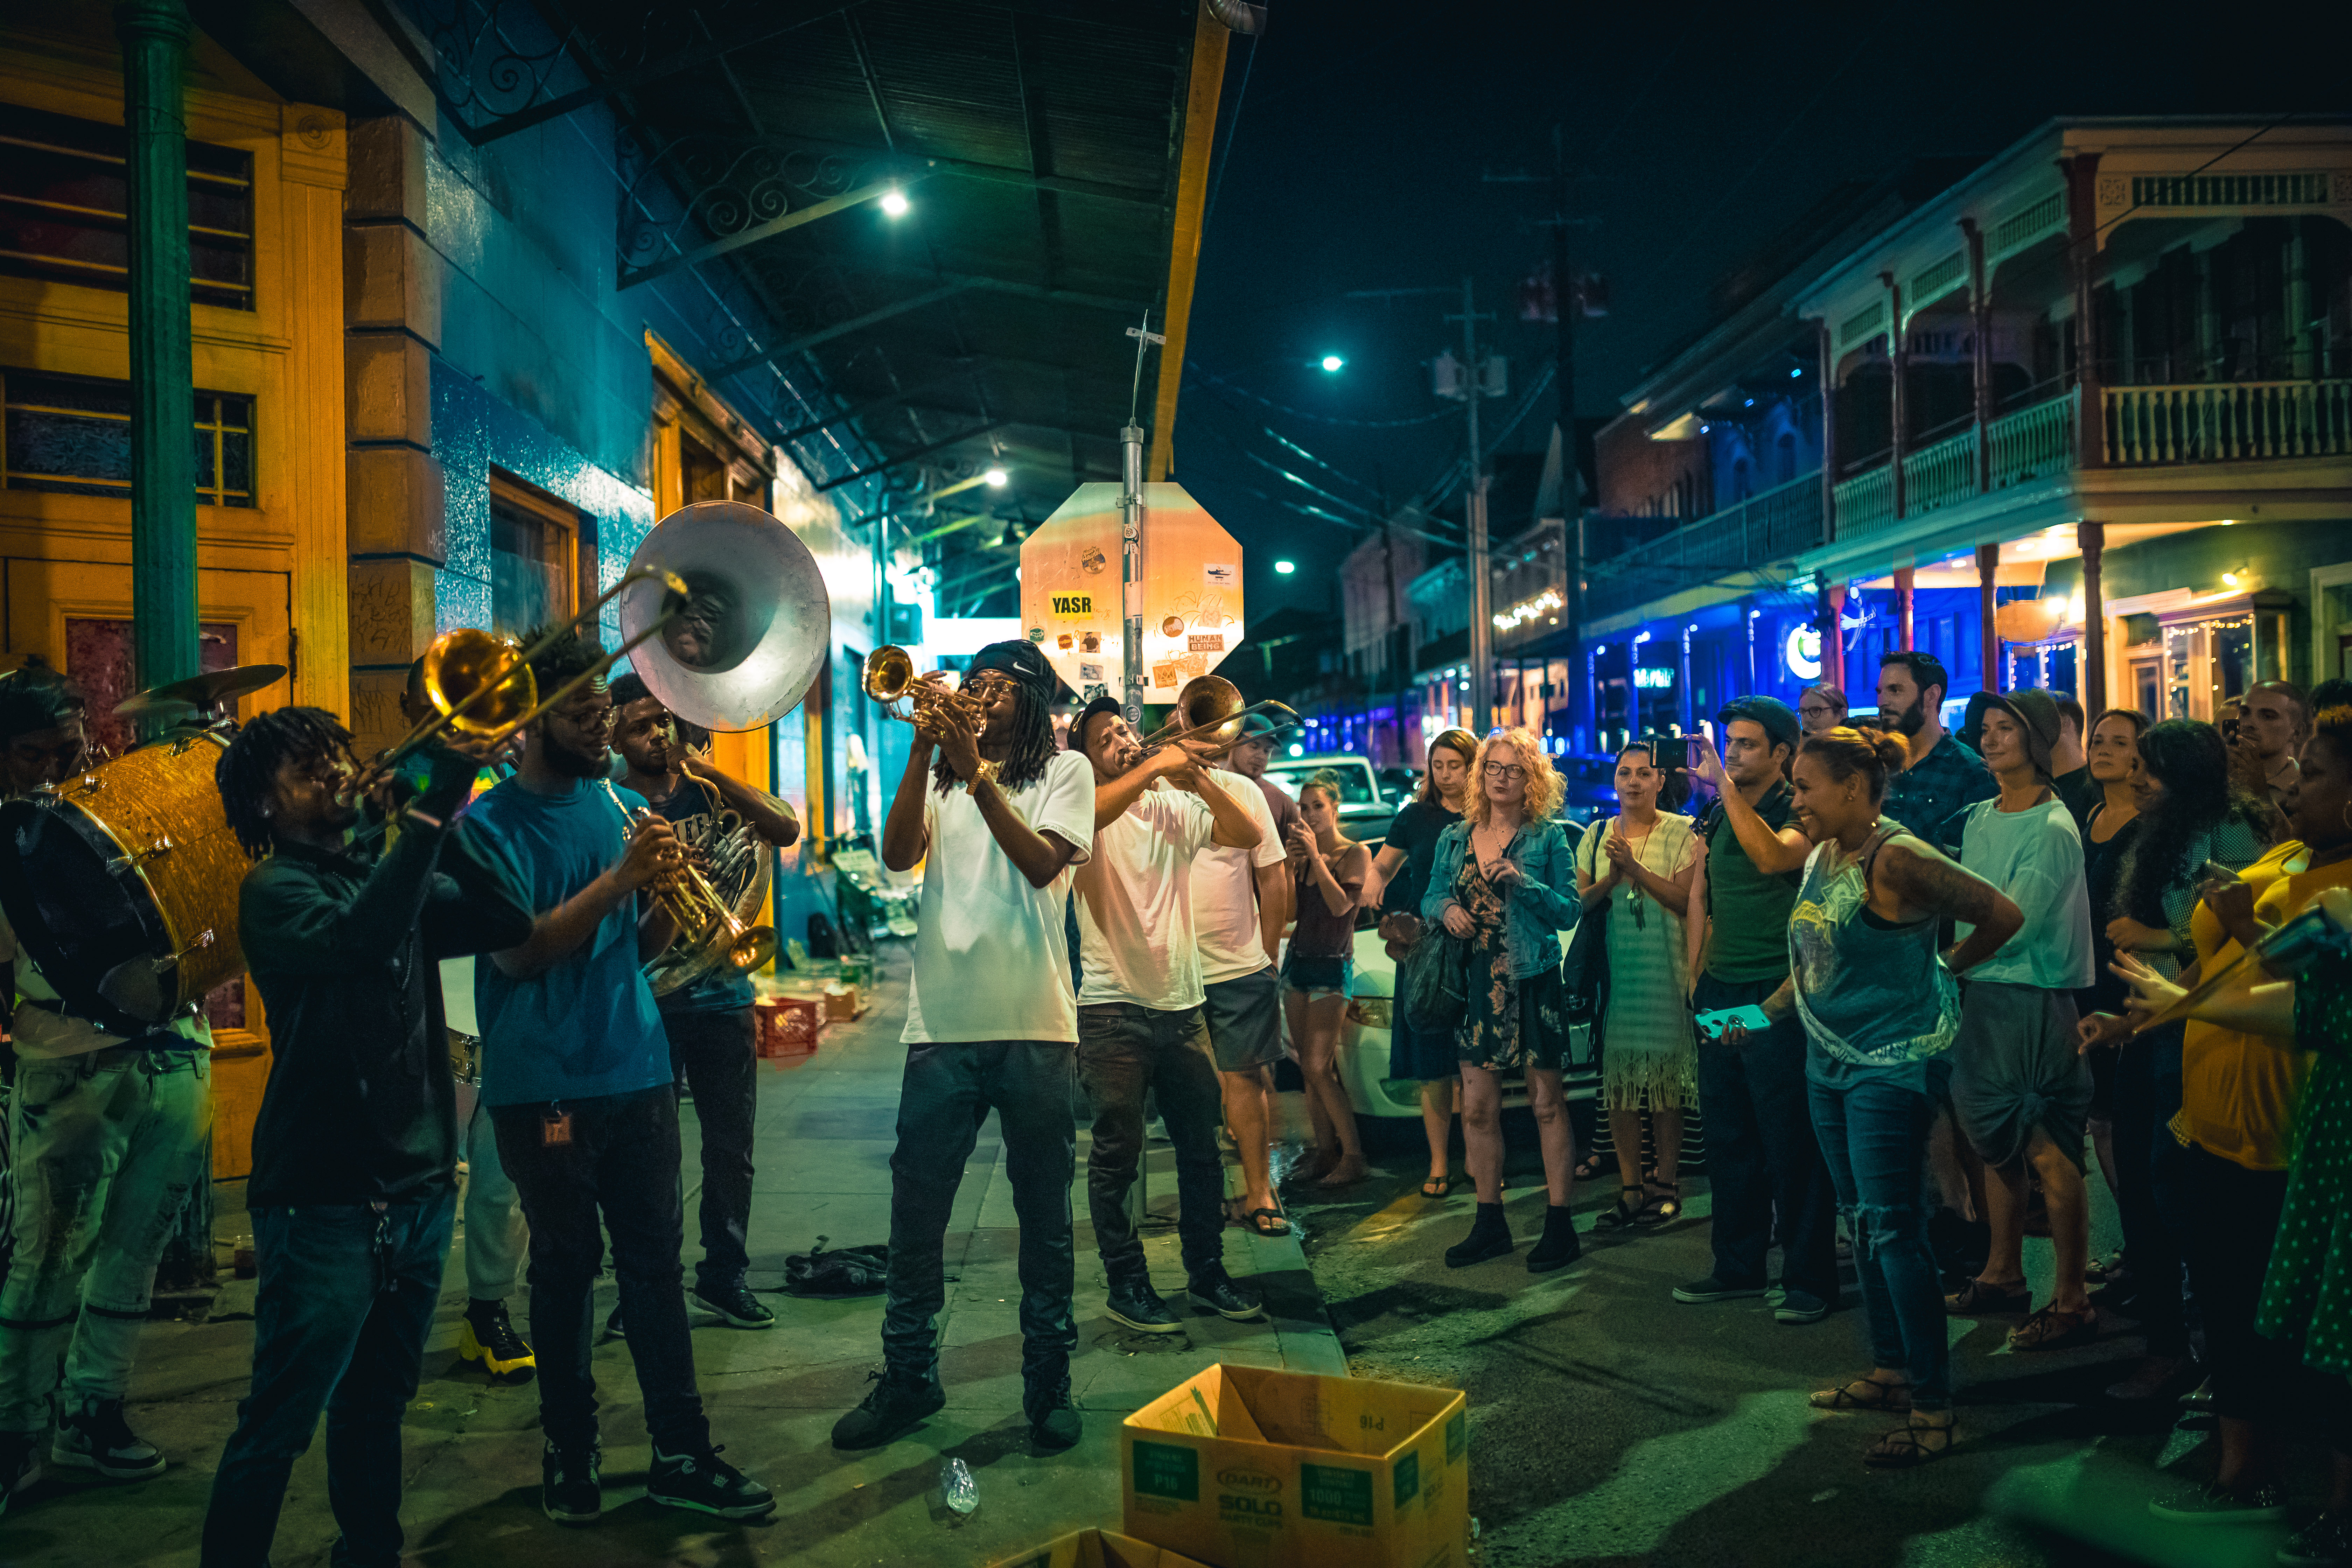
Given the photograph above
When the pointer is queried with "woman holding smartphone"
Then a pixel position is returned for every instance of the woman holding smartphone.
(1315, 968)
(1879, 1010)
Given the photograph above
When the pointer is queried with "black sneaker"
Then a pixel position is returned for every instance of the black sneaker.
(570, 1485)
(484, 1334)
(700, 1480)
(896, 1404)
(612, 1329)
(2324, 1542)
(20, 1464)
(1214, 1290)
(1713, 1289)
(1136, 1304)
(1053, 1422)
(99, 1438)
(736, 1304)
(1799, 1307)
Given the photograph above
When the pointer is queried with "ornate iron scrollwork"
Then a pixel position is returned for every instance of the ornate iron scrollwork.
(702, 188)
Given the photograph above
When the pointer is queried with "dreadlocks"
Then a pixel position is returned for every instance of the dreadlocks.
(247, 771)
(1032, 742)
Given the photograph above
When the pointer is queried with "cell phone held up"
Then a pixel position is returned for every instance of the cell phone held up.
(1678, 753)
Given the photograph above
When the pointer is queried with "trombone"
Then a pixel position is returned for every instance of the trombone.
(712, 938)
(889, 676)
(480, 683)
(1211, 705)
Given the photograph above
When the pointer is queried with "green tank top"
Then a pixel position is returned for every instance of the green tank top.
(1747, 934)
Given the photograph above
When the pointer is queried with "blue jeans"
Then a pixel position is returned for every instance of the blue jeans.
(106, 1147)
(946, 1094)
(1125, 1052)
(1873, 1136)
(346, 1300)
(1763, 1160)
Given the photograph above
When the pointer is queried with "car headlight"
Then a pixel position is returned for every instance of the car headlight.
(1371, 1012)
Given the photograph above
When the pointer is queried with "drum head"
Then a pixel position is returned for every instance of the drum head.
(75, 915)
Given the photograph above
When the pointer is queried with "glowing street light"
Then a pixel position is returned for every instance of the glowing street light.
(894, 203)
(1333, 362)
(1284, 568)
(996, 477)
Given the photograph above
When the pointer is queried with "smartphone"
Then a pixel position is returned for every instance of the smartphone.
(1674, 751)
(2214, 872)
(2229, 732)
(1715, 1025)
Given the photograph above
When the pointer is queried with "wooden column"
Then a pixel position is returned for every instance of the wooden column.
(2082, 173)
(1988, 635)
(1897, 361)
(154, 34)
(1980, 357)
(2093, 539)
(1904, 576)
(1833, 634)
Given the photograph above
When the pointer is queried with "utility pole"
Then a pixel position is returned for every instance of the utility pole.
(1130, 533)
(1482, 608)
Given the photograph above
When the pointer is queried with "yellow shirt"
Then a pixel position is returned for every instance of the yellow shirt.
(2238, 1091)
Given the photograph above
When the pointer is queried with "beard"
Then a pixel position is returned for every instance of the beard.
(572, 764)
(1909, 721)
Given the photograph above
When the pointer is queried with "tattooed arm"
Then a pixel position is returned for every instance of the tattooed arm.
(1928, 883)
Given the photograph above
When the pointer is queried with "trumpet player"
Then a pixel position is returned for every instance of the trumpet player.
(1141, 1025)
(577, 1074)
(997, 817)
(713, 1041)
(356, 1149)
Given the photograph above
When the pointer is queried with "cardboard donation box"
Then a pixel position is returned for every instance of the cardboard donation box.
(1245, 1466)
(1097, 1549)
(787, 1024)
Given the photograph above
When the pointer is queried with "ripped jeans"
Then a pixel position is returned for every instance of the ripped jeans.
(1874, 1132)
(106, 1147)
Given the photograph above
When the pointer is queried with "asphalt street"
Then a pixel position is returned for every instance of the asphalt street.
(1612, 1426)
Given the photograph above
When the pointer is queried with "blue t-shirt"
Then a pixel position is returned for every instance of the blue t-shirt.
(587, 1027)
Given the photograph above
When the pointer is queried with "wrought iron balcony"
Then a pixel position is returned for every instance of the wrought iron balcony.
(1778, 525)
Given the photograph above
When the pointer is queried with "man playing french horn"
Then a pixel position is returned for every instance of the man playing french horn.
(726, 827)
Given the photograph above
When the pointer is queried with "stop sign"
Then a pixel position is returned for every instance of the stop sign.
(1191, 592)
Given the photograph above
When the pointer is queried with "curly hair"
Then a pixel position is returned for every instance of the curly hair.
(2189, 759)
(1033, 745)
(247, 771)
(1848, 749)
(1546, 788)
(1459, 741)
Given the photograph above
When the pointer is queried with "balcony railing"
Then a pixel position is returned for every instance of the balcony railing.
(1865, 503)
(1778, 525)
(1939, 474)
(2223, 422)
(2032, 442)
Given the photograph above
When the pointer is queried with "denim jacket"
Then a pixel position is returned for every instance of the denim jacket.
(1538, 910)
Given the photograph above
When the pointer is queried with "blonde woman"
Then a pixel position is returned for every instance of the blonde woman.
(1331, 870)
(1638, 865)
(1504, 879)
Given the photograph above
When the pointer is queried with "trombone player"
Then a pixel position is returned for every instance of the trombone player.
(713, 1039)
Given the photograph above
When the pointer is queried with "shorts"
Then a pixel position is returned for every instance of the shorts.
(1244, 1018)
(2015, 1066)
(1311, 976)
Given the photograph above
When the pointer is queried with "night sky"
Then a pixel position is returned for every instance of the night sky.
(1694, 133)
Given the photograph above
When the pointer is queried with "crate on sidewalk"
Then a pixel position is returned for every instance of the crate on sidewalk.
(1097, 1548)
(788, 1025)
(1246, 1466)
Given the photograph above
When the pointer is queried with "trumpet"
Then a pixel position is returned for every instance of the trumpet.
(1211, 706)
(890, 675)
(711, 938)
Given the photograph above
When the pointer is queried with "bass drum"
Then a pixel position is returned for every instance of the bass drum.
(122, 884)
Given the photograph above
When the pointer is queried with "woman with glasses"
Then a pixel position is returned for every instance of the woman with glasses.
(1637, 869)
(1822, 707)
(1504, 879)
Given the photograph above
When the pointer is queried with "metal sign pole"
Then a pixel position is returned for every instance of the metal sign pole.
(1131, 530)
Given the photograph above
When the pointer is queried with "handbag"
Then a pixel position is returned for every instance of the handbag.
(1584, 971)
(1434, 982)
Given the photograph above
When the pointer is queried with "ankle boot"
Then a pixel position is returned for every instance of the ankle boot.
(1559, 1246)
(1490, 1236)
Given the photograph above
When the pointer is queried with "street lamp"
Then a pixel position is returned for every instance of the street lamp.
(894, 203)
(996, 477)
(1333, 362)
(1284, 568)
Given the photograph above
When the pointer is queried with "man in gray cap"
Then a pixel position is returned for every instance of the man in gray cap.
(2020, 1092)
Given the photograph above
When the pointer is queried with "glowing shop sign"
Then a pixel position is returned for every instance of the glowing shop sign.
(1801, 650)
(1653, 678)
(1519, 615)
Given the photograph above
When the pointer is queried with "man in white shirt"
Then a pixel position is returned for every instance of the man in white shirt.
(991, 1024)
(1241, 902)
(110, 1124)
(2020, 1088)
(1140, 1025)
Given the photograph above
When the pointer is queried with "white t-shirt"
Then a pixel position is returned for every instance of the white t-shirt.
(993, 953)
(1224, 890)
(1135, 905)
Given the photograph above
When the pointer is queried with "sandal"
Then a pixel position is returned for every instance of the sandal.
(1622, 1217)
(1978, 1299)
(1268, 1223)
(1663, 1211)
(2052, 1330)
(1895, 1398)
(1437, 1186)
(1907, 1448)
(1590, 1166)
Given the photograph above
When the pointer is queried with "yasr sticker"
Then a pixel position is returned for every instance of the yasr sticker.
(1073, 606)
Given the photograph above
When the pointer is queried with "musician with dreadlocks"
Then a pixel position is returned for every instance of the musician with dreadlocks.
(356, 1149)
(992, 1023)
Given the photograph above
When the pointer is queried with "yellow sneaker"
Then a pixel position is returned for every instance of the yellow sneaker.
(485, 1335)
